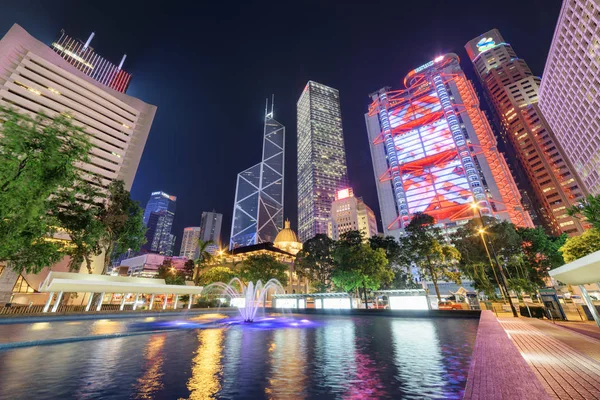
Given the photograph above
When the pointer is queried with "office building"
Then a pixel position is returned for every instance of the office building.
(83, 57)
(158, 218)
(34, 79)
(189, 242)
(349, 213)
(433, 151)
(513, 90)
(210, 230)
(258, 206)
(322, 167)
(569, 94)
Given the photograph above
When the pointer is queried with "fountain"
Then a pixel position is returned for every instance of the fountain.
(250, 297)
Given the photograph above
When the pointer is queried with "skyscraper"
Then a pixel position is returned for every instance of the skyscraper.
(189, 242)
(513, 91)
(210, 227)
(570, 89)
(158, 217)
(258, 206)
(349, 213)
(80, 55)
(321, 157)
(33, 78)
(433, 151)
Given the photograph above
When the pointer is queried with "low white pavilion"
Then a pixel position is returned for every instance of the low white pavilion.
(585, 270)
(69, 282)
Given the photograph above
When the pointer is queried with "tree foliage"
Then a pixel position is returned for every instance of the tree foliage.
(399, 259)
(587, 208)
(171, 276)
(582, 245)
(315, 262)
(263, 267)
(216, 274)
(204, 258)
(37, 160)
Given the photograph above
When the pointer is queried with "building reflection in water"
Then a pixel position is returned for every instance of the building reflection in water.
(207, 371)
(106, 327)
(154, 356)
(287, 358)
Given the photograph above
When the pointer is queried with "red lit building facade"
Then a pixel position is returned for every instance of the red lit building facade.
(513, 91)
(433, 151)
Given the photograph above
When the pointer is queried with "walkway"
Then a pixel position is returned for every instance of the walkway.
(566, 363)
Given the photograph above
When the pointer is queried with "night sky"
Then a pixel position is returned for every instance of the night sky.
(209, 66)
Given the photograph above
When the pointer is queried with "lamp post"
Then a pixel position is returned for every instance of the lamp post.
(503, 286)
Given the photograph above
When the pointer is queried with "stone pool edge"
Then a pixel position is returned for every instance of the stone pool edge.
(498, 370)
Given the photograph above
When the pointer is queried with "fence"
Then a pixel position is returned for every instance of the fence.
(18, 309)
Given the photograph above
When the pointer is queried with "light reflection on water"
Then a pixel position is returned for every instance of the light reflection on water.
(337, 357)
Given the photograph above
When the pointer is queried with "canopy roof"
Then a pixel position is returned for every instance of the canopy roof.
(75, 282)
(579, 272)
(308, 295)
(403, 292)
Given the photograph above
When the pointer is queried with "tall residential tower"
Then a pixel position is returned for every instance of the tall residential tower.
(258, 206)
(189, 242)
(321, 157)
(434, 151)
(158, 218)
(570, 90)
(513, 91)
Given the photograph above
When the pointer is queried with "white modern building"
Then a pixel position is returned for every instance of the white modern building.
(322, 167)
(189, 242)
(569, 94)
(349, 213)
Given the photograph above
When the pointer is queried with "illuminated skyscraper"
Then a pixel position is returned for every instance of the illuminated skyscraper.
(570, 89)
(513, 91)
(258, 207)
(349, 213)
(434, 151)
(189, 242)
(321, 157)
(80, 55)
(158, 217)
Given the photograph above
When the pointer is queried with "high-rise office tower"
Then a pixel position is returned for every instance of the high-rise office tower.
(321, 157)
(513, 91)
(258, 206)
(210, 227)
(570, 89)
(33, 78)
(434, 151)
(80, 55)
(189, 242)
(158, 217)
(349, 213)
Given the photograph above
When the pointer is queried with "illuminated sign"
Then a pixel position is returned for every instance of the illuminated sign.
(429, 64)
(343, 194)
(485, 44)
(163, 194)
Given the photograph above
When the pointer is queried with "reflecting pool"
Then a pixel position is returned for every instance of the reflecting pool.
(346, 357)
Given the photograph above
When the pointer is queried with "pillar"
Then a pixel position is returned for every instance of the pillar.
(151, 302)
(47, 306)
(190, 302)
(590, 304)
(99, 307)
(175, 301)
(123, 301)
(165, 302)
(89, 303)
(58, 299)
(137, 297)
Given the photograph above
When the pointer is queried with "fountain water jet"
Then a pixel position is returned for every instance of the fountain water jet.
(253, 295)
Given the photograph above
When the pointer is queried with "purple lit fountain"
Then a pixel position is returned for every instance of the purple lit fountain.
(247, 298)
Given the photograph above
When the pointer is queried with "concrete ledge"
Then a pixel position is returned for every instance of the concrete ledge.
(391, 313)
(498, 371)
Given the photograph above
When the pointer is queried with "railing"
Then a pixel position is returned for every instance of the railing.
(19, 309)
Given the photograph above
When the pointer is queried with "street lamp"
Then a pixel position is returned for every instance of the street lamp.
(502, 283)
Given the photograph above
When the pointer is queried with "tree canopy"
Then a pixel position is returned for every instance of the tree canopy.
(216, 274)
(171, 276)
(204, 258)
(315, 262)
(263, 267)
(587, 208)
(582, 245)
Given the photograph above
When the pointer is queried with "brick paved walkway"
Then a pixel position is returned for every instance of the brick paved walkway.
(559, 358)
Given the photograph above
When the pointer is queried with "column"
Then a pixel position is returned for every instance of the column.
(58, 299)
(175, 301)
(151, 302)
(590, 304)
(99, 307)
(123, 301)
(190, 302)
(47, 306)
(165, 302)
(137, 297)
(89, 303)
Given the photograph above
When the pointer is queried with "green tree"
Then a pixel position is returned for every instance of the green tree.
(168, 272)
(204, 258)
(399, 259)
(188, 269)
(263, 267)
(588, 209)
(315, 262)
(123, 223)
(435, 259)
(582, 245)
(37, 159)
(358, 266)
(216, 274)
